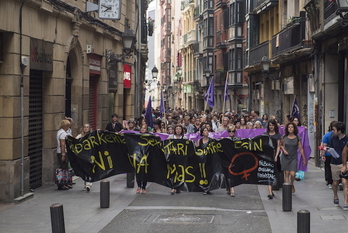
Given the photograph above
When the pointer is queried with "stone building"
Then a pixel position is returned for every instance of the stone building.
(58, 60)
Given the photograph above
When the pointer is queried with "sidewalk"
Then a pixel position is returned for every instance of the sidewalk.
(313, 195)
(247, 212)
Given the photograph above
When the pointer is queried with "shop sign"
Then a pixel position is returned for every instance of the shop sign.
(127, 78)
(41, 55)
(94, 63)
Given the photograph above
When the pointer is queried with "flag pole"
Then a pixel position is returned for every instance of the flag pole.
(206, 103)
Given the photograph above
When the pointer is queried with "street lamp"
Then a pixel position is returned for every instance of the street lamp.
(128, 38)
(265, 63)
(154, 72)
(342, 6)
(207, 73)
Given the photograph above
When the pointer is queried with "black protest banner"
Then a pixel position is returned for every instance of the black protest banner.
(212, 175)
(183, 172)
(248, 161)
(173, 163)
(147, 158)
(98, 155)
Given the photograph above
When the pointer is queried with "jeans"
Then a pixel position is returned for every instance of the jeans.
(141, 185)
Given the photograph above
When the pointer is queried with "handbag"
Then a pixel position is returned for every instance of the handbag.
(63, 176)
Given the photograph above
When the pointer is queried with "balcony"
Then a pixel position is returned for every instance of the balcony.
(186, 3)
(257, 52)
(290, 38)
(197, 14)
(220, 43)
(221, 4)
(188, 39)
(262, 6)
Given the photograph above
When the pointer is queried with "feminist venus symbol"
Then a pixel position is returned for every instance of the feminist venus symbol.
(245, 173)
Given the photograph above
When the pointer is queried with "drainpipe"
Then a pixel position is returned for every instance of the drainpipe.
(21, 97)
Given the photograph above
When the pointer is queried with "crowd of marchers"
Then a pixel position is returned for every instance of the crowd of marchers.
(179, 122)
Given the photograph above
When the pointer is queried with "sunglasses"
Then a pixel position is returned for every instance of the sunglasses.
(231, 131)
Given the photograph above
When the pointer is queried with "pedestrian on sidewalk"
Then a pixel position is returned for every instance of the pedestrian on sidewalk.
(63, 176)
(338, 142)
(326, 156)
(288, 159)
(86, 130)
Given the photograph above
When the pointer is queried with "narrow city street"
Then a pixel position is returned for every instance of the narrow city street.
(157, 211)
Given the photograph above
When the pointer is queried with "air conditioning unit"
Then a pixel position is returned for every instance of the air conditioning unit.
(89, 49)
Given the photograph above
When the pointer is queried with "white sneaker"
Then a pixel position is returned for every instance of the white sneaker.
(329, 186)
(88, 188)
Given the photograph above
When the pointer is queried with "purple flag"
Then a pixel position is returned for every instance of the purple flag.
(295, 112)
(226, 90)
(209, 96)
(162, 106)
(148, 114)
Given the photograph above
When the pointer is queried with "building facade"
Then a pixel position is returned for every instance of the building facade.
(57, 60)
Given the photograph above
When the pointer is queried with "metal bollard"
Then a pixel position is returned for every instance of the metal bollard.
(287, 197)
(130, 180)
(104, 194)
(57, 218)
(303, 221)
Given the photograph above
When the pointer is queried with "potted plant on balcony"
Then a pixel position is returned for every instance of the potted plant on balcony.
(150, 25)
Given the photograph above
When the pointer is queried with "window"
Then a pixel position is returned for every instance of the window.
(231, 20)
(210, 26)
(238, 58)
(239, 12)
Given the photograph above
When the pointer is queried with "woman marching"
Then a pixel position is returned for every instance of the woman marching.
(231, 133)
(273, 132)
(289, 145)
(178, 134)
(86, 129)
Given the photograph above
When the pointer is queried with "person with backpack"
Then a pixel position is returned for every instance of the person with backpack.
(290, 143)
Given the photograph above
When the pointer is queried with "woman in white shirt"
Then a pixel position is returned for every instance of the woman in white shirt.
(61, 152)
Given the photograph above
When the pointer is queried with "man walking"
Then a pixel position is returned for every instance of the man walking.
(338, 142)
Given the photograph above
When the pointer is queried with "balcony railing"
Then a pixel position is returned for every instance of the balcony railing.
(256, 53)
(329, 11)
(289, 39)
(220, 43)
(188, 38)
(263, 5)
